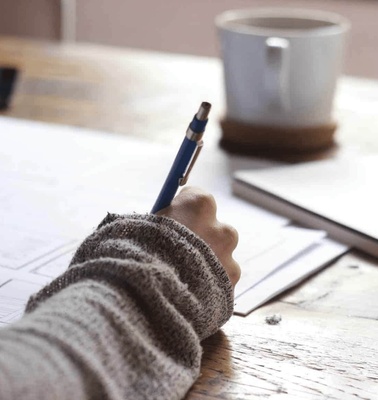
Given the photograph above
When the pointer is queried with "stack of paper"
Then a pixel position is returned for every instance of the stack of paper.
(295, 254)
(59, 182)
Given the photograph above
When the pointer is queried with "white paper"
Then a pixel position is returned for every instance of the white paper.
(15, 290)
(289, 275)
(260, 255)
(59, 182)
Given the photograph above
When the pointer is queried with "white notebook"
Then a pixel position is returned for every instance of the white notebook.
(339, 196)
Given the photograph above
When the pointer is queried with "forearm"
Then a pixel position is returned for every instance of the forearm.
(125, 321)
(92, 342)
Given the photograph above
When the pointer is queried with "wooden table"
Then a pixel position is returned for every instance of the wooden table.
(326, 344)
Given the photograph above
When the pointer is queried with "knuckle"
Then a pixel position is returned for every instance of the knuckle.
(198, 198)
(205, 202)
(229, 235)
(234, 273)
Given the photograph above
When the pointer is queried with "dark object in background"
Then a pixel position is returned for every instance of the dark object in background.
(8, 78)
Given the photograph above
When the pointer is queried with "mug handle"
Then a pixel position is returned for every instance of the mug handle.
(277, 73)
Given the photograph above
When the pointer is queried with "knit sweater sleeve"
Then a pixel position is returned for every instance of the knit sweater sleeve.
(125, 321)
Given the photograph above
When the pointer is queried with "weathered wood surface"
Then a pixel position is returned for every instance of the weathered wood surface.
(325, 347)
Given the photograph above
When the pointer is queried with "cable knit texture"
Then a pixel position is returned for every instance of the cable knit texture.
(125, 321)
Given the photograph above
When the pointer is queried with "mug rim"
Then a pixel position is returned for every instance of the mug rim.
(228, 21)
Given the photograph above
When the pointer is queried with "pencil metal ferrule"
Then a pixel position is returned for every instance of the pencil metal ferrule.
(193, 136)
(197, 127)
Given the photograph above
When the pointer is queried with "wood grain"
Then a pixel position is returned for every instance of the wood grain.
(308, 355)
(325, 347)
(124, 91)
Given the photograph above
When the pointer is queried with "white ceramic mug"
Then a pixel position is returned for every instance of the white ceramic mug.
(281, 65)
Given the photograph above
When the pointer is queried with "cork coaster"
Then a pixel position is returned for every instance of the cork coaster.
(242, 138)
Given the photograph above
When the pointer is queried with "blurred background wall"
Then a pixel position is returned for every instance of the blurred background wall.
(175, 25)
(30, 18)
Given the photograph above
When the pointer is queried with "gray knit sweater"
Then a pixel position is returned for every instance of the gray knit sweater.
(125, 321)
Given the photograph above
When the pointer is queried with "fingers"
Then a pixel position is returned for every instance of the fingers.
(192, 207)
(233, 271)
(230, 236)
(222, 238)
(196, 209)
(197, 200)
(223, 241)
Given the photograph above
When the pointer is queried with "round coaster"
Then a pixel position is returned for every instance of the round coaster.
(239, 137)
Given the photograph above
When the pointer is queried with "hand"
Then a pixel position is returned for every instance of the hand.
(196, 209)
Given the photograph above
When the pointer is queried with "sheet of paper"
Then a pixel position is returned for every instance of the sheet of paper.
(298, 269)
(16, 285)
(59, 182)
(261, 254)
